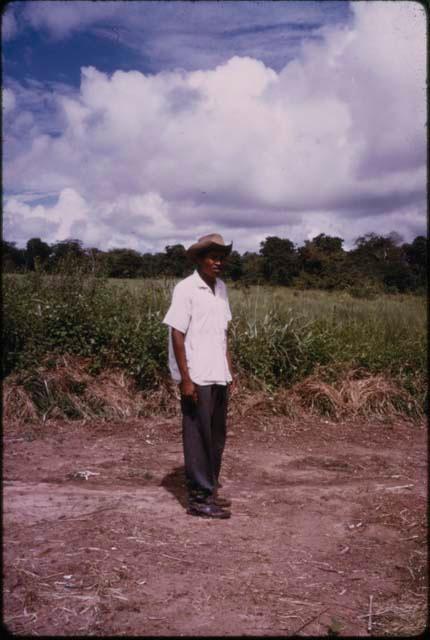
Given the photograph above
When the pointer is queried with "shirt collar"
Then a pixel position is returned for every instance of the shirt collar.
(200, 283)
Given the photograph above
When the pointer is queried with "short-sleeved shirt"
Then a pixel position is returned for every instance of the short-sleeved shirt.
(203, 317)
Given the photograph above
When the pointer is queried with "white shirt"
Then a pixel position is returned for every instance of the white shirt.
(203, 317)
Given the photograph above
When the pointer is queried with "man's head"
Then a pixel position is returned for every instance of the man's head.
(210, 262)
(209, 253)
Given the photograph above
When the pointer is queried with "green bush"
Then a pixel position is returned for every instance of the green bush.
(83, 316)
(278, 336)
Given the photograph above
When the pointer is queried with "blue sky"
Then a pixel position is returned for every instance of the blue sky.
(156, 36)
(143, 124)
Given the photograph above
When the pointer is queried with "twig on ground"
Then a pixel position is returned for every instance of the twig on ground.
(82, 474)
(309, 622)
(397, 488)
(325, 567)
(29, 573)
(174, 558)
(330, 570)
(369, 624)
(303, 602)
(90, 513)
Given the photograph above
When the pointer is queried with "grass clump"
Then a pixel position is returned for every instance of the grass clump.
(69, 390)
(359, 394)
(84, 316)
(280, 338)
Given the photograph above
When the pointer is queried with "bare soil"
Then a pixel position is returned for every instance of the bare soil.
(324, 516)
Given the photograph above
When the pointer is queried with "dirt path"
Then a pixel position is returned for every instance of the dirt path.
(324, 516)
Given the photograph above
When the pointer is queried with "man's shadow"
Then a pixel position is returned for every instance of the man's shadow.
(174, 482)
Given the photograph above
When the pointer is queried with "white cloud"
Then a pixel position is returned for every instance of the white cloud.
(8, 99)
(335, 141)
(8, 23)
(198, 35)
(58, 219)
(61, 19)
(146, 215)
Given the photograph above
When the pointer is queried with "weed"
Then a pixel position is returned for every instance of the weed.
(278, 337)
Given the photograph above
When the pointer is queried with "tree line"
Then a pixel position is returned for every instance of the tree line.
(376, 263)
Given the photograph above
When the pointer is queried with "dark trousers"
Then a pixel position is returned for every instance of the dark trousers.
(204, 429)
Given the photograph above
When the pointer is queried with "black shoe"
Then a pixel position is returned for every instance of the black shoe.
(207, 510)
(198, 496)
(219, 501)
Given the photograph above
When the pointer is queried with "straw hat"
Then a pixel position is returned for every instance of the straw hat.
(211, 242)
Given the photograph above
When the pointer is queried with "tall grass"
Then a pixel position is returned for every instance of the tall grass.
(285, 334)
(85, 316)
(278, 336)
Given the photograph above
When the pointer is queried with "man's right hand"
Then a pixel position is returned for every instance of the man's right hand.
(188, 390)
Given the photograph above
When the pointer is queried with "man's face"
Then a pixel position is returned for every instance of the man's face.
(211, 263)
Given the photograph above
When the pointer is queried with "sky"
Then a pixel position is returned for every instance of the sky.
(146, 124)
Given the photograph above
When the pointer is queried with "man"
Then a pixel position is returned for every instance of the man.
(199, 360)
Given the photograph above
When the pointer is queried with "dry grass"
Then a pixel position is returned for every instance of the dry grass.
(405, 619)
(66, 388)
(359, 394)
(246, 403)
(17, 405)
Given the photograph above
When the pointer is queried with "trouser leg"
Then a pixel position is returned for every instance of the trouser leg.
(219, 426)
(197, 443)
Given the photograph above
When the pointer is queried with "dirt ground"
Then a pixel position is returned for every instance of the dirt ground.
(326, 518)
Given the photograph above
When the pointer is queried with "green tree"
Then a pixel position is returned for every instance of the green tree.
(13, 259)
(252, 268)
(381, 259)
(280, 260)
(150, 266)
(96, 260)
(67, 252)
(417, 258)
(322, 262)
(123, 263)
(374, 250)
(328, 245)
(233, 268)
(37, 252)
(398, 276)
(175, 261)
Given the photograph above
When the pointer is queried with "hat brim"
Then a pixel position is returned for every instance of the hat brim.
(196, 250)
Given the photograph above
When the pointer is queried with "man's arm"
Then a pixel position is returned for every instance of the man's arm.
(229, 361)
(187, 386)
